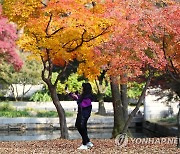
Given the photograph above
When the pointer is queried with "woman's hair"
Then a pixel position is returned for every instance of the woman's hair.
(87, 89)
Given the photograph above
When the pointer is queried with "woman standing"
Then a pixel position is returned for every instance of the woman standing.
(84, 111)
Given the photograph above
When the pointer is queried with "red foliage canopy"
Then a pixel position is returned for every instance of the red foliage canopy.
(8, 37)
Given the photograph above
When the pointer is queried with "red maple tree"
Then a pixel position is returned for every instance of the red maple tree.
(8, 36)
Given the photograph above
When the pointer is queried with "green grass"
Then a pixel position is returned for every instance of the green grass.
(169, 120)
(52, 114)
(9, 111)
(12, 114)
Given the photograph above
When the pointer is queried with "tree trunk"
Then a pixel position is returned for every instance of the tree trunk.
(124, 100)
(61, 113)
(101, 108)
(141, 98)
(13, 92)
(178, 122)
(117, 107)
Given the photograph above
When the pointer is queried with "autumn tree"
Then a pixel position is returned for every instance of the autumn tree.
(59, 33)
(8, 50)
(136, 46)
(171, 45)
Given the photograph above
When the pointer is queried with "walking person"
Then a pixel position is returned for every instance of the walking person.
(84, 112)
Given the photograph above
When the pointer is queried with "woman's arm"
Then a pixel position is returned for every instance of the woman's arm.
(74, 96)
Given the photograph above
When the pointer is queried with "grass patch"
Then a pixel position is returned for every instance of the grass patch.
(170, 120)
(7, 110)
(12, 114)
(52, 114)
(6, 107)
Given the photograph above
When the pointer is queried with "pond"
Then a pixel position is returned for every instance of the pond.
(73, 134)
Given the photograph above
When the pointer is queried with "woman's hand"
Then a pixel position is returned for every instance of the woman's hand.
(67, 91)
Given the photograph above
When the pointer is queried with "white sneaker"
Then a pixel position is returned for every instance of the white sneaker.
(83, 147)
(90, 145)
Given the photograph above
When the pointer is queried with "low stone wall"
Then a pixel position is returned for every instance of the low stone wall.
(160, 130)
(20, 124)
(95, 122)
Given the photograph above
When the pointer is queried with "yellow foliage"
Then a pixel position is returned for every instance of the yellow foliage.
(20, 11)
(68, 29)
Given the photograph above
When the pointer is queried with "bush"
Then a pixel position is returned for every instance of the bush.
(52, 114)
(169, 120)
(41, 96)
(6, 107)
(13, 114)
(7, 110)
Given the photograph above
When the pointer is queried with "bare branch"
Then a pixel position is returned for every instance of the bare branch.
(47, 27)
(94, 37)
(49, 64)
(48, 36)
(87, 39)
(167, 67)
(172, 65)
(79, 45)
(43, 71)
(35, 37)
(44, 4)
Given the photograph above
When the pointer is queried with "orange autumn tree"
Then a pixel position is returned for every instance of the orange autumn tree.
(144, 34)
(59, 33)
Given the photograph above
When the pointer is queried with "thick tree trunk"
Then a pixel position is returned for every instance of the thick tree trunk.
(47, 78)
(178, 122)
(118, 108)
(101, 108)
(141, 98)
(61, 113)
(124, 100)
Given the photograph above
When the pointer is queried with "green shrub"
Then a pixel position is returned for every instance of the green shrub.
(13, 114)
(47, 114)
(6, 107)
(41, 96)
(135, 89)
(169, 120)
(7, 110)
(52, 114)
(69, 114)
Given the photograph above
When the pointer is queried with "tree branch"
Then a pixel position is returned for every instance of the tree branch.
(167, 67)
(86, 40)
(79, 45)
(133, 113)
(47, 27)
(97, 85)
(48, 36)
(94, 37)
(49, 64)
(44, 4)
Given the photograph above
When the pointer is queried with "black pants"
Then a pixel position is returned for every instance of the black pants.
(81, 123)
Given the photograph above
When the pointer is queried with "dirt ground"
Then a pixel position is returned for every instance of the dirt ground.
(101, 146)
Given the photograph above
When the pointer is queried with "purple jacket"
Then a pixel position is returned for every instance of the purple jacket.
(84, 103)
